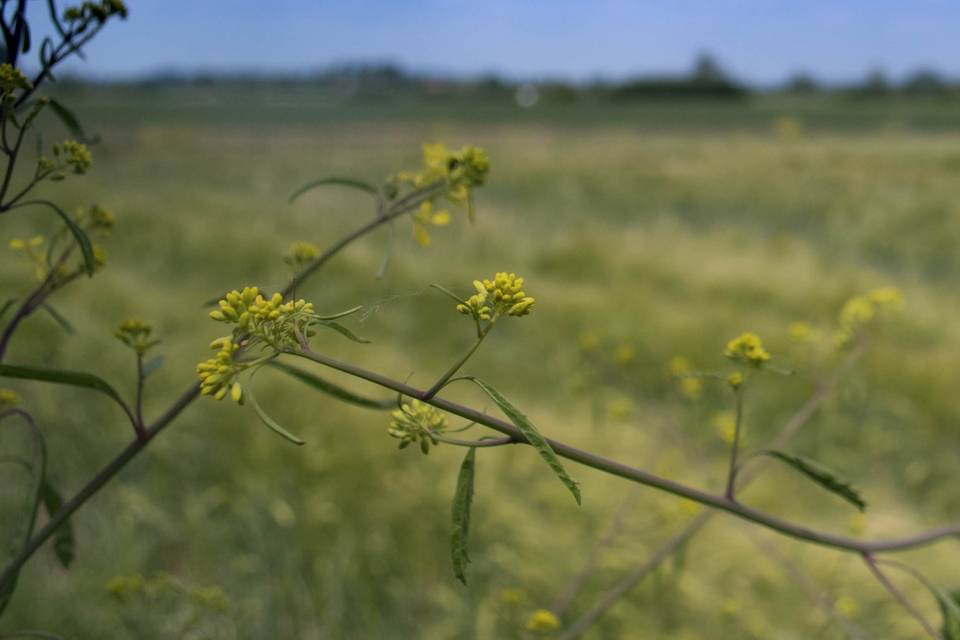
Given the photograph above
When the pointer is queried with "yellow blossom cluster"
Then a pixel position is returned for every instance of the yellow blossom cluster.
(8, 398)
(690, 385)
(136, 335)
(301, 253)
(12, 78)
(445, 174)
(271, 320)
(504, 295)
(747, 347)
(417, 421)
(218, 374)
(859, 311)
(542, 621)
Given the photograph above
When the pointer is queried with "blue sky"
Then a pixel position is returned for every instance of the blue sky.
(758, 40)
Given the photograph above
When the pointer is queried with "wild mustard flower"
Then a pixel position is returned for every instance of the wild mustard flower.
(136, 335)
(735, 380)
(8, 399)
(512, 596)
(12, 78)
(453, 174)
(542, 621)
(417, 421)
(624, 353)
(96, 218)
(301, 253)
(35, 252)
(691, 388)
(724, 424)
(268, 323)
(886, 299)
(856, 312)
(747, 347)
(76, 155)
(503, 295)
(678, 366)
(800, 332)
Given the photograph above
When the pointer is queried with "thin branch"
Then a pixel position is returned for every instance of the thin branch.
(899, 596)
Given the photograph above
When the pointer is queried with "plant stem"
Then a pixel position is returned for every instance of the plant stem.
(612, 467)
(898, 595)
(438, 385)
(734, 448)
(491, 442)
(138, 423)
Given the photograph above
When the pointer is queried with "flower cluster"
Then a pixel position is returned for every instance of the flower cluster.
(504, 295)
(747, 347)
(860, 311)
(416, 421)
(98, 11)
(301, 253)
(8, 399)
(543, 621)
(96, 218)
(69, 154)
(689, 382)
(279, 324)
(136, 335)
(218, 375)
(12, 78)
(34, 249)
(452, 173)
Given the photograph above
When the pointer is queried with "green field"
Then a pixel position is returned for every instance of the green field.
(643, 232)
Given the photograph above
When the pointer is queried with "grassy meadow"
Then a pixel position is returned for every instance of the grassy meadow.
(642, 236)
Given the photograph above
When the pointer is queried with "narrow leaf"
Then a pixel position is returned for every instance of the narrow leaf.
(59, 319)
(330, 388)
(58, 376)
(64, 542)
(86, 248)
(270, 422)
(69, 120)
(31, 504)
(821, 475)
(6, 306)
(152, 365)
(531, 434)
(342, 330)
(342, 314)
(462, 499)
(950, 610)
(342, 182)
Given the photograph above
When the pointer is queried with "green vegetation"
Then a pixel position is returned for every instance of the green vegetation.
(651, 231)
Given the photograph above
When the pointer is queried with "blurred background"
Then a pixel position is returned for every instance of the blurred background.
(664, 175)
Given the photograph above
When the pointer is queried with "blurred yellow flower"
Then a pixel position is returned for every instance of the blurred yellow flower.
(691, 388)
(800, 332)
(624, 353)
(8, 398)
(542, 621)
(747, 347)
(725, 424)
(678, 365)
(512, 595)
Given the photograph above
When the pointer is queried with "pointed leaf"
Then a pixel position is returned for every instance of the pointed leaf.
(6, 306)
(531, 434)
(59, 319)
(69, 120)
(342, 330)
(31, 504)
(86, 248)
(342, 182)
(58, 376)
(462, 499)
(328, 387)
(63, 539)
(342, 314)
(821, 475)
(270, 422)
(950, 609)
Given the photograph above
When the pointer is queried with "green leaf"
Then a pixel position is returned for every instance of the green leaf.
(462, 499)
(531, 434)
(342, 314)
(59, 376)
(59, 319)
(267, 420)
(152, 365)
(64, 542)
(342, 182)
(342, 330)
(23, 529)
(821, 475)
(329, 388)
(950, 609)
(66, 116)
(86, 248)
(6, 306)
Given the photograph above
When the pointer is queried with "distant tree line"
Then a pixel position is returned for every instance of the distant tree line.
(707, 79)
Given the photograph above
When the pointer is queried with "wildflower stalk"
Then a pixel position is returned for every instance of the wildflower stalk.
(898, 595)
(735, 446)
(141, 379)
(612, 467)
(445, 378)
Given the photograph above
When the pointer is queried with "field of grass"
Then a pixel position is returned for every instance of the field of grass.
(640, 240)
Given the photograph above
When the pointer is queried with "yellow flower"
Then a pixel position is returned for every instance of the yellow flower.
(747, 347)
(426, 217)
(504, 295)
(542, 621)
(136, 335)
(886, 299)
(691, 388)
(735, 379)
(856, 312)
(678, 365)
(624, 353)
(417, 421)
(725, 425)
(301, 253)
(800, 332)
(512, 596)
(8, 398)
